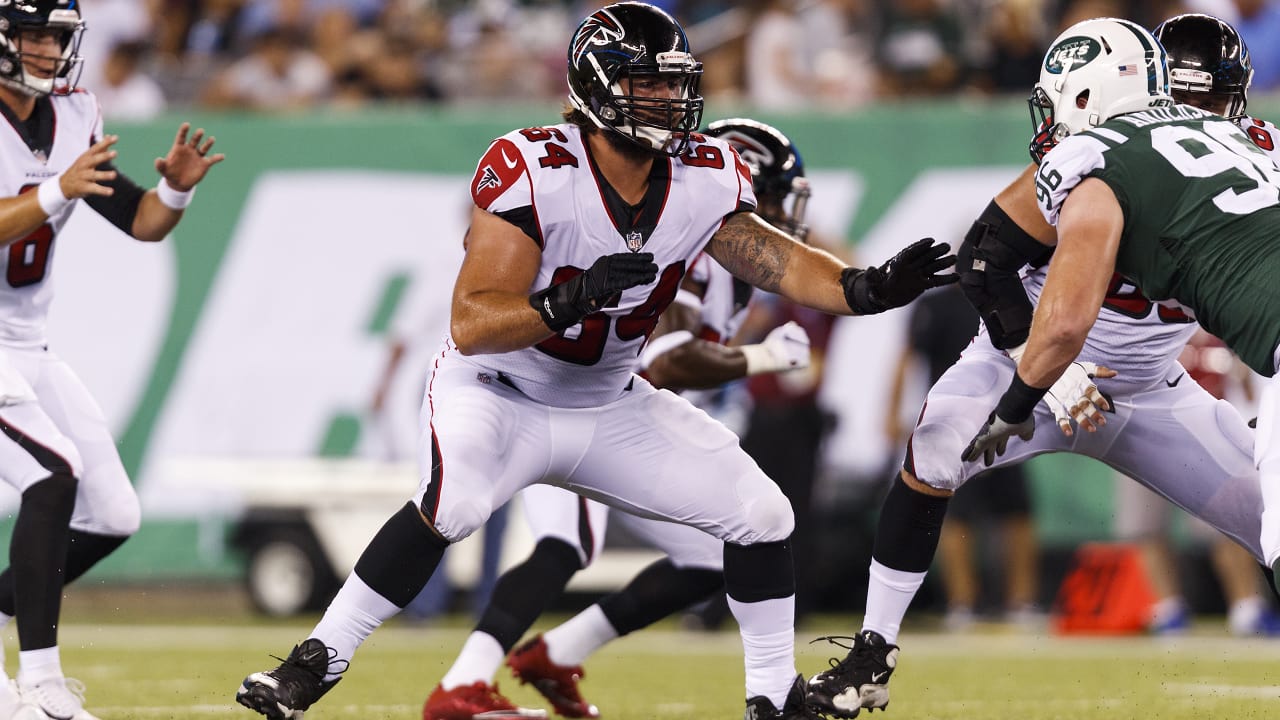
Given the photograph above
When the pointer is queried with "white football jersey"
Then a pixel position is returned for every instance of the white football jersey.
(544, 181)
(26, 265)
(1134, 336)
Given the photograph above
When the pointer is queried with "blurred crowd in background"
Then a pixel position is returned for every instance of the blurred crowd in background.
(143, 56)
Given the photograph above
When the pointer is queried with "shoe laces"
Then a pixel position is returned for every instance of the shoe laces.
(860, 652)
(305, 663)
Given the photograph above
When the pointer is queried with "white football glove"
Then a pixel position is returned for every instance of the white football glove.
(1075, 397)
(786, 347)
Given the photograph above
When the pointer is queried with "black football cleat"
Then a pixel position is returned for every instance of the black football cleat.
(795, 708)
(286, 692)
(860, 680)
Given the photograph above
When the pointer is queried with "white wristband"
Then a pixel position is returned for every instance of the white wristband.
(173, 199)
(50, 196)
(760, 359)
(1016, 353)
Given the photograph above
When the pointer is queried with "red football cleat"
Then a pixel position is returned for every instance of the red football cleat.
(557, 683)
(477, 701)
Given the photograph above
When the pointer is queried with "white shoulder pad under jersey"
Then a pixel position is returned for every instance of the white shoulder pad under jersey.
(1062, 170)
(1263, 134)
(26, 288)
(543, 181)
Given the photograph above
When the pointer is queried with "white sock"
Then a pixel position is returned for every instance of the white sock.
(356, 611)
(39, 665)
(1243, 615)
(1270, 478)
(479, 660)
(570, 643)
(889, 594)
(768, 646)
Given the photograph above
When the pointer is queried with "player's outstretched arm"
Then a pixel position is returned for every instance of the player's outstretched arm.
(1089, 230)
(185, 165)
(756, 252)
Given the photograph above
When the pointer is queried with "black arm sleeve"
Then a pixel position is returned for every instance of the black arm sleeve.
(120, 207)
(988, 261)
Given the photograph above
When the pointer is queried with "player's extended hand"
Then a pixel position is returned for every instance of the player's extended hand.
(84, 177)
(900, 280)
(1075, 397)
(188, 160)
(993, 438)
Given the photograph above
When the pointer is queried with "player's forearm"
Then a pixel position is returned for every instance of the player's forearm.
(812, 279)
(697, 364)
(491, 322)
(154, 220)
(19, 216)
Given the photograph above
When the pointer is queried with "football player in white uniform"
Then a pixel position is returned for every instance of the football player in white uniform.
(77, 502)
(1145, 417)
(579, 240)
(689, 349)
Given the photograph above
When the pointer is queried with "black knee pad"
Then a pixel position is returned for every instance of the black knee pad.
(760, 571)
(909, 528)
(400, 559)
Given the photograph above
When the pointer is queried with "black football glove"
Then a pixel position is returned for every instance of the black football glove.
(900, 280)
(993, 438)
(565, 304)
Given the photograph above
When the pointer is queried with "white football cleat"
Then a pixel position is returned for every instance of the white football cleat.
(56, 698)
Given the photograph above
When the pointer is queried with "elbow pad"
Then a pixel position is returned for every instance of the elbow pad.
(993, 252)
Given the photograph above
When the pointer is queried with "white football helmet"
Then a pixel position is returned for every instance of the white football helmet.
(1094, 71)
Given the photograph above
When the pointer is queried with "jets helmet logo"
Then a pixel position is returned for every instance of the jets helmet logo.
(1071, 51)
(600, 29)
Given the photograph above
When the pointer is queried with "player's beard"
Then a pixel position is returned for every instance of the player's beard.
(630, 149)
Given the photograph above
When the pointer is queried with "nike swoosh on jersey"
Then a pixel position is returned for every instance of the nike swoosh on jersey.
(1175, 381)
(510, 163)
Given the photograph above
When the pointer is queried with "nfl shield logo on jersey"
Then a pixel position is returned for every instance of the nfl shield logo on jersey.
(635, 240)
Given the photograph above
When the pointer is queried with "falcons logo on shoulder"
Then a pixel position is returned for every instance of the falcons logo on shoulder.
(488, 179)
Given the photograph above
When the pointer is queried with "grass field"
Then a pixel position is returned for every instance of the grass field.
(191, 671)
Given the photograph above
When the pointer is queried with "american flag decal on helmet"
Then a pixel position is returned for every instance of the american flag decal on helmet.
(1127, 70)
(601, 28)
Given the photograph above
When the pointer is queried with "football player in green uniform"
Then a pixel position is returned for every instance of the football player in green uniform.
(1176, 199)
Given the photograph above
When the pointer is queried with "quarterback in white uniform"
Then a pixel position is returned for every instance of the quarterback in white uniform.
(579, 239)
(688, 350)
(77, 503)
(1145, 416)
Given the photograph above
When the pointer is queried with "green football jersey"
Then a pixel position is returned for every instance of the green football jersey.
(1201, 217)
